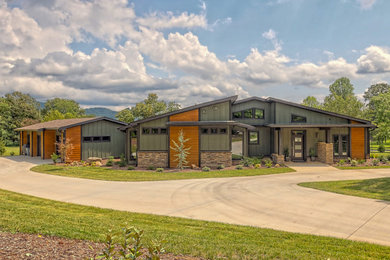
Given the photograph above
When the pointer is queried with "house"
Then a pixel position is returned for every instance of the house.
(89, 137)
(249, 127)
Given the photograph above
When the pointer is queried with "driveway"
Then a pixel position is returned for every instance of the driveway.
(270, 201)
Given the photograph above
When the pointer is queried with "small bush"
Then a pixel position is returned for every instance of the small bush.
(354, 163)
(159, 169)
(375, 162)
(205, 169)
(383, 159)
(361, 161)
(54, 157)
(151, 168)
(268, 163)
(110, 161)
(239, 167)
(2, 147)
(122, 162)
(381, 148)
(220, 167)
(257, 166)
(131, 168)
(12, 153)
(341, 162)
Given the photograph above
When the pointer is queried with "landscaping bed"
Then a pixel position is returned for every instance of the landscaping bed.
(211, 240)
(382, 161)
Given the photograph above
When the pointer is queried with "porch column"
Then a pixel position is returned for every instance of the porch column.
(245, 143)
(280, 142)
(327, 135)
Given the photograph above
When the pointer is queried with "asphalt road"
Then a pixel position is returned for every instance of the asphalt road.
(270, 201)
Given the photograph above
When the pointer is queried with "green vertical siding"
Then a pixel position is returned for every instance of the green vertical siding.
(263, 148)
(254, 104)
(149, 142)
(215, 142)
(284, 112)
(218, 112)
(103, 149)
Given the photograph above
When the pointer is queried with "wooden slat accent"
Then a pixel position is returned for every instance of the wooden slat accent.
(357, 143)
(74, 135)
(192, 115)
(191, 132)
(49, 143)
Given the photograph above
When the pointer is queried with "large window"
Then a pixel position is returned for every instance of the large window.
(340, 145)
(298, 119)
(253, 137)
(251, 113)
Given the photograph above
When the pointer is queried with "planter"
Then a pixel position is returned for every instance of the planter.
(312, 158)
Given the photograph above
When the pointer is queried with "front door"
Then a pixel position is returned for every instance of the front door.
(298, 147)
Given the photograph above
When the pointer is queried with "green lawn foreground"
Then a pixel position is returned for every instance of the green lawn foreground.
(372, 188)
(22, 213)
(9, 149)
(102, 173)
(362, 167)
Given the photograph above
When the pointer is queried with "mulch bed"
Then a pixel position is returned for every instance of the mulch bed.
(33, 246)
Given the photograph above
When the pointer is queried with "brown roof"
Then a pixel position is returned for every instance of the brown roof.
(66, 123)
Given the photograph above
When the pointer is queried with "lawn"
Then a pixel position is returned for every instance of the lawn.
(9, 149)
(21, 213)
(362, 167)
(372, 188)
(102, 173)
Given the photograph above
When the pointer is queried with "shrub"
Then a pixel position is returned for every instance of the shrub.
(159, 169)
(205, 169)
(128, 244)
(122, 162)
(110, 161)
(375, 162)
(151, 168)
(383, 158)
(220, 167)
(381, 148)
(257, 166)
(361, 161)
(54, 157)
(12, 153)
(239, 167)
(2, 147)
(268, 163)
(388, 157)
(341, 162)
(131, 168)
(250, 161)
(354, 163)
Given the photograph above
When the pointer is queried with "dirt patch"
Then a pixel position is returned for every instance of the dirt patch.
(33, 246)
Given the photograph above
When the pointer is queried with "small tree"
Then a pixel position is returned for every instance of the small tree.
(181, 150)
(2, 147)
(65, 148)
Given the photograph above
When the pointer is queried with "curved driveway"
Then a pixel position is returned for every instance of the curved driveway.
(271, 201)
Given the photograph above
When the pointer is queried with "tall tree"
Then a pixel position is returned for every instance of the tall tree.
(63, 106)
(17, 110)
(381, 116)
(311, 101)
(342, 99)
(149, 107)
(375, 90)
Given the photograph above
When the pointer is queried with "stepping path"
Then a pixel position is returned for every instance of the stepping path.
(270, 201)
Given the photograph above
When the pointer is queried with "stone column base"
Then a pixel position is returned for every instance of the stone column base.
(214, 159)
(156, 159)
(277, 158)
(325, 152)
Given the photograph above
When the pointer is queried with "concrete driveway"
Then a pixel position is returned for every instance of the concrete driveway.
(271, 201)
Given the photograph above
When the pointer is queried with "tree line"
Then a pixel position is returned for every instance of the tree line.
(342, 100)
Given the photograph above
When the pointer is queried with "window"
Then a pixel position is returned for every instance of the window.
(205, 131)
(298, 119)
(106, 138)
(223, 131)
(237, 114)
(87, 139)
(248, 113)
(340, 145)
(259, 113)
(96, 138)
(344, 145)
(154, 131)
(146, 131)
(163, 130)
(253, 137)
(213, 130)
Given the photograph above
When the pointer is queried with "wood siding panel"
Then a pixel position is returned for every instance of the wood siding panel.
(191, 132)
(49, 143)
(192, 115)
(357, 142)
(74, 135)
(34, 145)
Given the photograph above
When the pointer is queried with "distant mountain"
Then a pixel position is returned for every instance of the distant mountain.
(101, 111)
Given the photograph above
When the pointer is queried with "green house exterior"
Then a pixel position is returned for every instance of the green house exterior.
(250, 127)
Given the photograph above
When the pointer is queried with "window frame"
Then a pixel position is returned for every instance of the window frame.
(294, 115)
(96, 141)
(257, 140)
(252, 110)
(90, 139)
(254, 113)
(247, 110)
(106, 141)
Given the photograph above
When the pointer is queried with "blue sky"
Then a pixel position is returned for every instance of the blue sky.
(113, 53)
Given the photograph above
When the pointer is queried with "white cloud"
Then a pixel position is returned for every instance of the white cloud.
(169, 20)
(365, 4)
(269, 35)
(375, 60)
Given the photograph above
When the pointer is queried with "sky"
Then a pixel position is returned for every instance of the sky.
(112, 53)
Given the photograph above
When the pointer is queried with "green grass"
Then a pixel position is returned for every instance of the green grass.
(102, 173)
(372, 188)
(21, 213)
(362, 167)
(9, 149)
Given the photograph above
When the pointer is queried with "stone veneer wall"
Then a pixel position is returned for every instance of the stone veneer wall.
(213, 159)
(156, 159)
(325, 152)
(277, 158)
